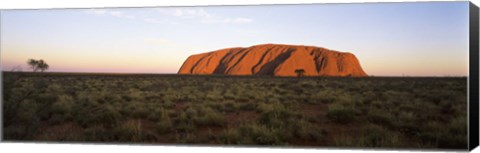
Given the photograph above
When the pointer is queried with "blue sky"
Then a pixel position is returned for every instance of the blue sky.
(417, 39)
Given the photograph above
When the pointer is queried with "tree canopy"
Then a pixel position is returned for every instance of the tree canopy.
(300, 72)
(36, 65)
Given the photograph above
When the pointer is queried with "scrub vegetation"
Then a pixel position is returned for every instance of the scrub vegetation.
(379, 112)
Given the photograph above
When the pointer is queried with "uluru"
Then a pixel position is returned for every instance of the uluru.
(274, 60)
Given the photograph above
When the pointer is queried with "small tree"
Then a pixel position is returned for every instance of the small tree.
(33, 64)
(42, 65)
(300, 72)
(37, 65)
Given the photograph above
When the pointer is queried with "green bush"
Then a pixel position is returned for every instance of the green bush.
(230, 106)
(164, 125)
(131, 131)
(276, 118)
(341, 114)
(380, 117)
(376, 136)
(137, 110)
(46, 98)
(210, 118)
(191, 113)
(61, 110)
(184, 124)
(229, 136)
(456, 135)
(97, 114)
(262, 135)
(156, 113)
(186, 138)
(99, 133)
(306, 131)
(248, 106)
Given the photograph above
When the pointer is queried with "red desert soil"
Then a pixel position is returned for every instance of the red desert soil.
(63, 131)
(274, 59)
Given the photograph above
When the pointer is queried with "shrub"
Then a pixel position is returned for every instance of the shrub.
(158, 113)
(341, 114)
(97, 114)
(210, 117)
(184, 124)
(107, 115)
(191, 113)
(380, 117)
(129, 131)
(242, 99)
(138, 110)
(229, 107)
(432, 134)
(456, 134)
(275, 118)
(46, 98)
(305, 130)
(229, 96)
(407, 123)
(135, 94)
(62, 108)
(164, 125)
(99, 133)
(213, 96)
(168, 104)
(186, 138)
(264, 107)
(229, 136)
(262, 135)
(248, 106)
(27, 111)
(376, 136)
(214, 105)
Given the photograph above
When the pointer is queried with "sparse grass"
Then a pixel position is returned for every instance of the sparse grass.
(261, 135)
(306, 131)
(229, 136)
(371, 136)
(352, 112)
(164, 125)
(130, 131)
(209, 117)
(340, 113)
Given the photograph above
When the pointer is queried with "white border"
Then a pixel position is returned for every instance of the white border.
(86, 148)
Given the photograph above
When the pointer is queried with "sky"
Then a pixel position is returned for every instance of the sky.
(389, 39)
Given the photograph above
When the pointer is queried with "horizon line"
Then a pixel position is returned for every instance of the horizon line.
(160, 73)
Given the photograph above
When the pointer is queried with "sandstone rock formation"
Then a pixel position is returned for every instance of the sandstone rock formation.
(274, 59)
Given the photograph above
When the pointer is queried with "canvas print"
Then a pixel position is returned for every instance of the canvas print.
(369, 75)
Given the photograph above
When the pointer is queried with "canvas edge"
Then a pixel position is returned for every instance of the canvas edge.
(473, 79)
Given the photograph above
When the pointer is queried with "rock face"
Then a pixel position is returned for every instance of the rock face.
(274, 59)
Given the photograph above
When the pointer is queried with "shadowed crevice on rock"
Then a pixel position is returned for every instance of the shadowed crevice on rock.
(196, 64)
(244, 53)
(254, 68)
(225, 61)
(221, 68)
(270, 67)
